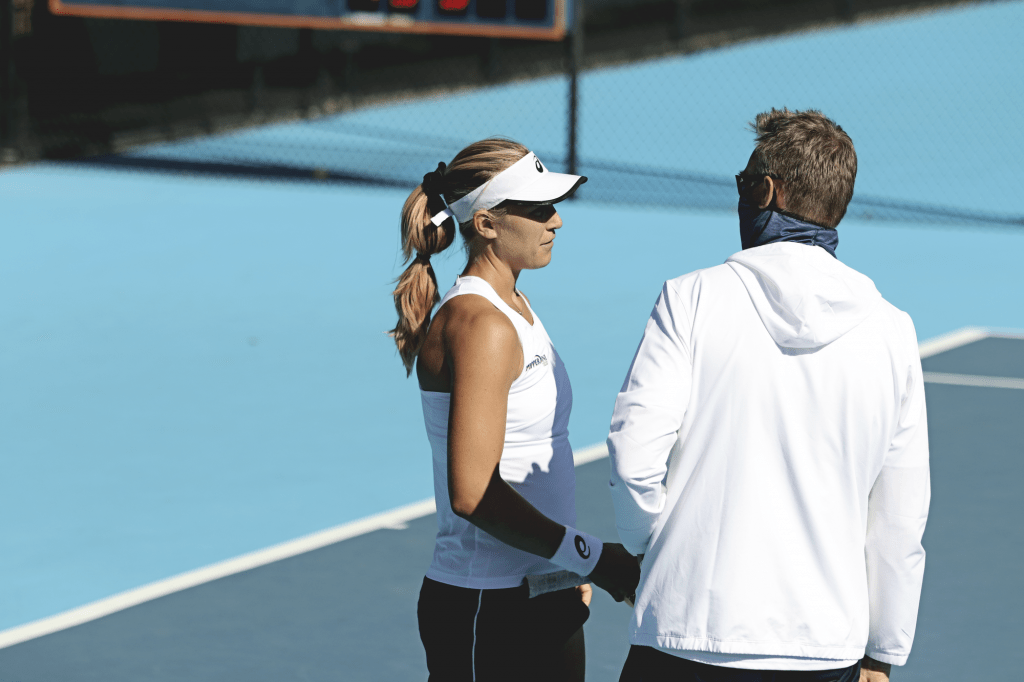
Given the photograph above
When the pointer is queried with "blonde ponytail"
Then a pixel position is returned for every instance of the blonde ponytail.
(416, 292)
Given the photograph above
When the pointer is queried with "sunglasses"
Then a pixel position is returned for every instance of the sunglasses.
(745, 181)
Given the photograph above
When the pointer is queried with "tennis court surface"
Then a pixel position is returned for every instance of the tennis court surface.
(195, 382)
(346, 610)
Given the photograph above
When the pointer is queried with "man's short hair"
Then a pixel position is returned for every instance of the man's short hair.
(812, 156)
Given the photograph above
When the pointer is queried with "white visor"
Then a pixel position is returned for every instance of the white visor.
(526, 181)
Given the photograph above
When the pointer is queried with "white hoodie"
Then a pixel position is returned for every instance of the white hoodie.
(769, 455)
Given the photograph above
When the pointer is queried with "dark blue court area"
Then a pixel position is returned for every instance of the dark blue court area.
(347, 611)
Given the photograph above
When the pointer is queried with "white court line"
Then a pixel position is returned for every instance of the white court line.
(396, 518)
(973, 380)
(954, 339)
(590, 454)
(962, 337)
(998, 333)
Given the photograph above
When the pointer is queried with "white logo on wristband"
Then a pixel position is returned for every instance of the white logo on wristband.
(578, 552)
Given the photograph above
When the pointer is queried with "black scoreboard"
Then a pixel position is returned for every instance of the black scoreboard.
(527, 19)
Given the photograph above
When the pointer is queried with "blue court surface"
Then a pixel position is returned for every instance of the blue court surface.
(346, 611)
(214, 467)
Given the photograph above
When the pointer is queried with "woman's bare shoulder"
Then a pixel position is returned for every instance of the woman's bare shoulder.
(467, 332)
(474, 320)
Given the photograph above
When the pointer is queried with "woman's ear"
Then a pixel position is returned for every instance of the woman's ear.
(483, 225)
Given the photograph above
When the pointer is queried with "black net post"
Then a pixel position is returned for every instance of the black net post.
(6, 74)
(492, 60)
(575, 44)
(677, 30)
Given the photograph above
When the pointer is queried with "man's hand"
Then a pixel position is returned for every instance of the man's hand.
(617, 572)
(586, 592)
(874, 671)
(631, 599)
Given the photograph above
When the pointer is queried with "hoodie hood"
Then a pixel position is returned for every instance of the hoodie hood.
(804, 296)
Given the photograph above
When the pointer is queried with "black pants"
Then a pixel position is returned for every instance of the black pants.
(645, 664)
(495, 635)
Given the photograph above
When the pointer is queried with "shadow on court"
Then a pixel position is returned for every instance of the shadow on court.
(348, 611)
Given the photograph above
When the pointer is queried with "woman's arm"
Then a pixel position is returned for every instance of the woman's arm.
(485, 357)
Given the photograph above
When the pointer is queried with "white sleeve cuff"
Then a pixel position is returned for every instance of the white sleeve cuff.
(636, 541)
(891, 659)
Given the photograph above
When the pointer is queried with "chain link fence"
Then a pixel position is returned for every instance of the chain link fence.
(929, 98)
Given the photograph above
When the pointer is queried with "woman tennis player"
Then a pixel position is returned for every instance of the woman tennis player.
(496, 402)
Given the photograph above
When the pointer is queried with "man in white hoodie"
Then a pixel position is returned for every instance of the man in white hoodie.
(769, 447)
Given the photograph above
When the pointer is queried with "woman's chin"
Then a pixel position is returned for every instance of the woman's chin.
(539, 260)
(543, 259)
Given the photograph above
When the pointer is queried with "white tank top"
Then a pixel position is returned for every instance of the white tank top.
(537, 459)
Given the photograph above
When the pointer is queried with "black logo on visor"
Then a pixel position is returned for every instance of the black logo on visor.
(581, 547)
(540, 168)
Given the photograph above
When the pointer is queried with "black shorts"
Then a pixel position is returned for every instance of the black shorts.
(646, 664)
(495, 635)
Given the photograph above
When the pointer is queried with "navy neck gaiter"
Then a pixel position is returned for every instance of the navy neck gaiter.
(765, 226)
